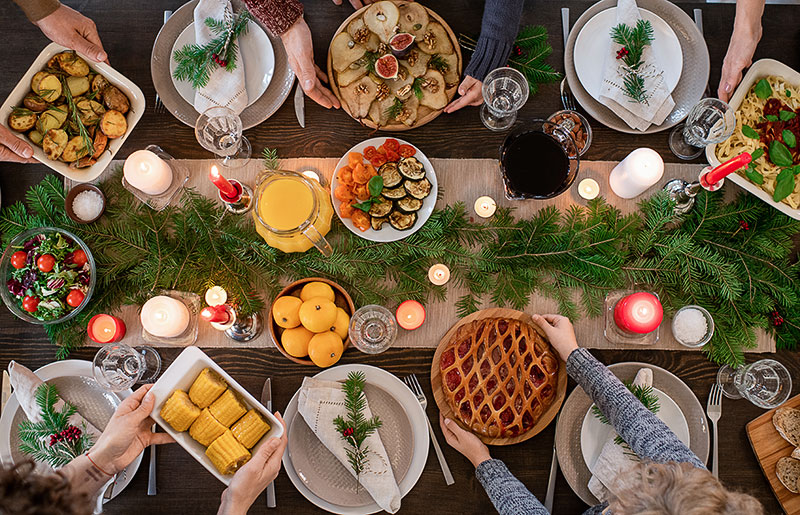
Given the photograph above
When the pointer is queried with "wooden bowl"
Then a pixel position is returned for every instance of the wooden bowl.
(436, 378)
(342, 299)
(79, 188)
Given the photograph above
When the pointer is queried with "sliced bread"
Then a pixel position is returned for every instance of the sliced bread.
(796, 454)
(788, 471)
(787, 422)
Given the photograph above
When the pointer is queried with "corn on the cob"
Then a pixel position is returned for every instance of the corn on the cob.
(179, 412)
(206, 388)
(250, 428)
(227, 454)
(206, 428)
(228, 408)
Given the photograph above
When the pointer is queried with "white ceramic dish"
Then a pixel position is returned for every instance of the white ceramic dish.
(419, 428)
(593, 44)
(130, 89)
(760, 69)
(257, 56)
(388, 233)
(595, 434)
(180, 376)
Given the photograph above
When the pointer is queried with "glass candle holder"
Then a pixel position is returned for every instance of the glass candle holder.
(180, 174)
(189, 335)
(614, 333)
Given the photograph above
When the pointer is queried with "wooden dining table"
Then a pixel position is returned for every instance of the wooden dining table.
(128, 30)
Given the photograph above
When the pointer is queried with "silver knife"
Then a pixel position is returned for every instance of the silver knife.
(565, 25)
(300, 105)
(266, 392)
(151, 476)
(5, 393)
(551, 482)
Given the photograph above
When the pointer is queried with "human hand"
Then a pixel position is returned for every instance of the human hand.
(471, 94)
(560, 332)
(300, 52)
(127, 433)
(740, 56)
(464, 441)
(358, 4)
(14, 149)
(73, 30)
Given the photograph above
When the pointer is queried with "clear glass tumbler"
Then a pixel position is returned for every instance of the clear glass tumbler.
(118, 366)
(373, 329)
(505, 91)
(219, 130)
(710, 121)
(766, 383)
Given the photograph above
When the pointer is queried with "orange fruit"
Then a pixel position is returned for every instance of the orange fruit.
(317, 289)
(286, 311)
(318, 314)
(341, 324)
(295, 341)
(325, 349)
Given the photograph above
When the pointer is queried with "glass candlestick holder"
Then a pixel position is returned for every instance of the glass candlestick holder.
(614, 334)
(246, 328)
(180, 174)
(242, 203)
(189, 335)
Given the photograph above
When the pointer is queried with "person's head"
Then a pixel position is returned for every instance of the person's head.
(667, 488)
(25, 492)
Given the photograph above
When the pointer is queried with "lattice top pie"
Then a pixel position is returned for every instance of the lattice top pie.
(499, 376)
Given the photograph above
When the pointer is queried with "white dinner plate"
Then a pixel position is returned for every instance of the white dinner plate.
(257, 56)
(387, 232)
(419, 434)
(103, 405)
(594, 43)
(595, 434)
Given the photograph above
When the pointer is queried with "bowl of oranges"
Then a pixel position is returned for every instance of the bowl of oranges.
(309, 319)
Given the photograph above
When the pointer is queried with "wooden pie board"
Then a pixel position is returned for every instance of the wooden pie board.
(769, 446)
(436, 379)
(419, 122)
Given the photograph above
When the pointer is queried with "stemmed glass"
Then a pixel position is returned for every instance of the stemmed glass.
(373, 329)
(710, 121)
(219, 130)
(766, 383)
(118, 367)
(505, 91)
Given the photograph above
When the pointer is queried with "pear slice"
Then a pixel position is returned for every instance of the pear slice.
(381, 18)
(451, 74)
(352, 73)
(433, 90)
(413, 18)
(359, 95)
(420, 60)
(372, 40)
(409, 113)
(404, 78)
(435, 40)
(377, 111)
(345, 51)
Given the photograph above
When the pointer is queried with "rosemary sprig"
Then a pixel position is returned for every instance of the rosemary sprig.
(394, 110)
(356, 427)
(88, 146)
(438, 63)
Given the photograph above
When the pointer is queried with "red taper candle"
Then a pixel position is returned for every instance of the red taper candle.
(218, 314)
(227, 189)
(728, 167)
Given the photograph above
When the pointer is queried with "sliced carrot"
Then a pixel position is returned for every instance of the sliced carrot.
(360, 174)
(346, 209)
(360, 219)
(354, 158)
(343, 193)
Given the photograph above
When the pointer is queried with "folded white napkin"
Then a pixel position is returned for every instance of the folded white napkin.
(225, 88)
(320, 402)
(659, 100)
(615, 459)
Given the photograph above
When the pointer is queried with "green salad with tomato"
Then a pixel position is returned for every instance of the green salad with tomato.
(50, 276)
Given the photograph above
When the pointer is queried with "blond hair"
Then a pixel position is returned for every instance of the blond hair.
(678, 488)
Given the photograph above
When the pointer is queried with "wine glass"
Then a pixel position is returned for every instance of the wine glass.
(710, 121)
(219, 130)
(505, 91)
(766, 383)
(373, 329)
(118, 366)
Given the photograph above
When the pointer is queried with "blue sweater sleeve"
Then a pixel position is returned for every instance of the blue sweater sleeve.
(507, 493)
(498, 31)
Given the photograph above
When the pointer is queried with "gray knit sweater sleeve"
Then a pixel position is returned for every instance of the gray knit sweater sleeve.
(509, 496)
(498, 31)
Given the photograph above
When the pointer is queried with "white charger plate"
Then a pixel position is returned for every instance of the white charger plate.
(419, 433)
(59, 369)
(388, 233)
(258, 60)
(594, 42)
(595, 434)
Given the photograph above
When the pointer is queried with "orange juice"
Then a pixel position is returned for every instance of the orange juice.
(285, 204)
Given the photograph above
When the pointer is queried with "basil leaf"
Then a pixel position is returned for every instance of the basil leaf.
(763, 89)
(784, 185)
(785, 116)
(754, 175)
(750, 132)
(788, 93)
(375, 186)
(363, 206)
(779, 154)
(755, 154)
(789, 139)
(772, 118)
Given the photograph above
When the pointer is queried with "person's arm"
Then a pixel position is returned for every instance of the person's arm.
(35, 10)
(84, 477)
(745, 38)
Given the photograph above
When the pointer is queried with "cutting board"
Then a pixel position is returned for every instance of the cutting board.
(769, 447)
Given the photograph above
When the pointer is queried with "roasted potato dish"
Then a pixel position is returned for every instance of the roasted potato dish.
(71, 111)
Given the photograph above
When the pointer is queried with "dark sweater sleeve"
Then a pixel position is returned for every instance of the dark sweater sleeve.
(498, 31)
(647, 435)
(507, 493)
(276, 15)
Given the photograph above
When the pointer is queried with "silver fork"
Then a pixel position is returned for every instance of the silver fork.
(159, 106)
(714, 412)
(413, 384)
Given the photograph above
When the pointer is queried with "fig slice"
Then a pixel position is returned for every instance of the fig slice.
(386, 67)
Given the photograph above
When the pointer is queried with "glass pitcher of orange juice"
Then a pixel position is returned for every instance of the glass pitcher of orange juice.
(292, 213)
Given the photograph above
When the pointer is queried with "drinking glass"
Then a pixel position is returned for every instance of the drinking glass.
(710, 121)
(373, 329)
(505, 91)
(766, 383)
(118, 366)
(219, 130)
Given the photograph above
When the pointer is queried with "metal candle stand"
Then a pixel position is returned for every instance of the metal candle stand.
(684, 192)
(238, 328)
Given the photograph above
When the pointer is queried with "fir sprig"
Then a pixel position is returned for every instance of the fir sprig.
(394, 110)
(355, 427)
(269, 158)
(438, 63)
(633, 42)
(646, 395)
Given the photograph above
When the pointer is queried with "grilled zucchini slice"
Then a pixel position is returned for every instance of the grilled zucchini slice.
(409, 204)
(402, 221)
(394, 193)
(418, 189)
(412, 168)
(377, 222)
(380, 209)
(391, 175)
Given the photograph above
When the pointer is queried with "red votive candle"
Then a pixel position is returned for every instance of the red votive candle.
(410, 315)
(218, 314)
(105, 328)
(728, 167)
(638, 313)
(227, 189)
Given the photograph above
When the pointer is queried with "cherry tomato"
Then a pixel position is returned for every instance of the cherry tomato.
(79, 257)
(46, 262)
(406, 151)
(391, 155)
(18, 259)
(75, 297)
(30, 304)
(378, 160)
(381, 150)
(391, 144)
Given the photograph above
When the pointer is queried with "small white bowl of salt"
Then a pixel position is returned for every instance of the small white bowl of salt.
(85, 203)
(692, 326)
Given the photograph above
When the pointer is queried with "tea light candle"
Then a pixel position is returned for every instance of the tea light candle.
(588, 189)
(485, 206)
(106, 328)
(147, 172)
(636, 173)
(638, 313)
(439, 274)
(311, 174)
(410, 315)
(164, 316)
(216, 295)
(227, 189)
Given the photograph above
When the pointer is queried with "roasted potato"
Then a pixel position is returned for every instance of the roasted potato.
(115, 99)
(53, 62)
(85, 162)
(47, 121)
(71, 63)
(90, 111)
(33, 102)
(36, 138)
(22, 120)
(99, 83)
(37, 78)
(49, 88)
(78, 85)
(54, 143)
(100, 143)
(74, 150)
(113, 124)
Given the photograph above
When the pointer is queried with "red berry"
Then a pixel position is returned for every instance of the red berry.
(19, 259)
(223, 63)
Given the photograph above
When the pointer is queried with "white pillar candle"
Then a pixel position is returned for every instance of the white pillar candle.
(165, 317)
(641, 169)
(588, 189)
(147, 172)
